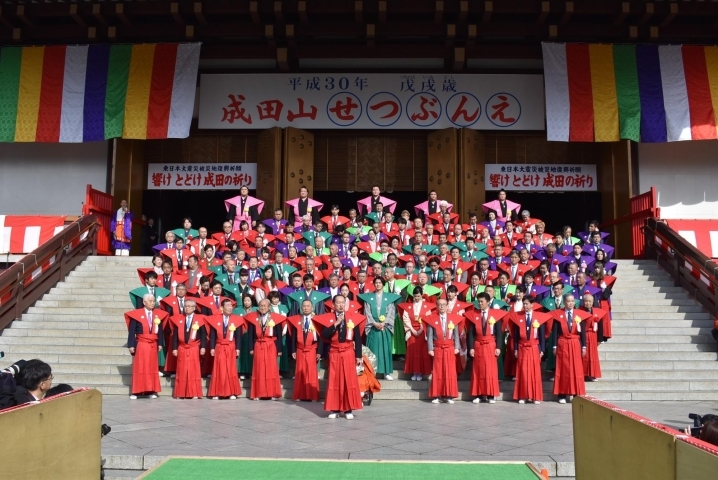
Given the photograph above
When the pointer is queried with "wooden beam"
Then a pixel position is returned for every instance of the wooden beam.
(20, 13)
(471, 36)
(463, 11)
(625, 10)
(120, 13)
(647, 14)
(302, 11)
(269, 34)
(112, 33)
(488, 11)
(91, 33)
(567, 14)
(382, 11)
(545, 10)
(76, 17)
(198, 13)
(459, 59)
(671, 15)
(370, 34)
(174, 11)
(278, 15)
(254, 13)
(16, 34)
(289, 33)
(439, 12)
(654, 32)
(359, 12)
(189, 32)
(633, 31)
(450, 34)
(553, 31)
(97, 13)
(282, 59)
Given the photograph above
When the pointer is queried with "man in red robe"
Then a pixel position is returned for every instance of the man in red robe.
(189, 343)
(345, 354)
(569, 334)
(484, 347)
(443, 344)
(304, 347)
(265, 334)
(145, 341)
(224, 342)
(529, 330)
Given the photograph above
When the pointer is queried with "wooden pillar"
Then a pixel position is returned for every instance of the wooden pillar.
(472, 161)
(129, 180)
(615, 184)
(298, 164)
(269, 169)
(442, 164)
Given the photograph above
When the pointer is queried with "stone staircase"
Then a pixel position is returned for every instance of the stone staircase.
(661, 349)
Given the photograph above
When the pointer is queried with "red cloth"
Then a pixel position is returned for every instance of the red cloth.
(443, 375)
(343, 387)
(170, 360)
(145, 373)
(417, 356)
(188, 380)
(528, 371)
(265, 370)
(225, 381)
(306, 382)
(509, 359)
(568, 379)
(606, 322)
(485, 370)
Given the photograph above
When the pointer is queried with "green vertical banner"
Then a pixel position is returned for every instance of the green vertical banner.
(629, 101)
(10, 61)
(117, 75)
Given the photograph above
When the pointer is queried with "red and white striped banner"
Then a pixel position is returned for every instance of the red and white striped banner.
(24, 233)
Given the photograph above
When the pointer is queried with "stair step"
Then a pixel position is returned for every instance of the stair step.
(658, 356)
(68, 349)
(116, 333)
(659, 347)
(620, 330)
(661, 316)
(657, 339)
(67, 341)
(646, 365)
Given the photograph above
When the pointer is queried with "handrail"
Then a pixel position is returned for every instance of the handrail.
(37, 272)
(689, 267)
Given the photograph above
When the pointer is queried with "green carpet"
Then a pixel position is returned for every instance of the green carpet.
(221, 469)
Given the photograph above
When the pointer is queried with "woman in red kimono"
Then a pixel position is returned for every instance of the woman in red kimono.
(414, 315)
(443, 344)
(224, 343)
(569, 347)
(189, 343)
(266, 336)
(484, 336)
(528, 329)
(304, 347)
(345, 354)
(145, 339)
(591, 363)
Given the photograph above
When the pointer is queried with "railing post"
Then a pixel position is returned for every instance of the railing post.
(677, 266)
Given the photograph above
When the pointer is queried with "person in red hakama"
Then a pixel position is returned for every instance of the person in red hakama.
(591, 363)
(265, 334)
(305, 348)
(145, 340)
(173, 305)
(414, 315)
(528, 329)
(345, 354)
(224, 343)
(443, 344)
(569, 334)
(209, 306)
(484, 341)
(189, 343)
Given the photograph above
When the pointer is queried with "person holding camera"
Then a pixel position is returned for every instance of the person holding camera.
(27, 381)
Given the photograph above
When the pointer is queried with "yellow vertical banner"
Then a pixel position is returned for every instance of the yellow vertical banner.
(605, 100)
(712, 68)
(28, 102)
(138, 92)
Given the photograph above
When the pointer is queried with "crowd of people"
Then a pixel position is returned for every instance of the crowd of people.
(425, 293)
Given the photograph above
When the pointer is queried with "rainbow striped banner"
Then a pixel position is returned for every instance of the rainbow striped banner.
(646, 93)
(88, 93)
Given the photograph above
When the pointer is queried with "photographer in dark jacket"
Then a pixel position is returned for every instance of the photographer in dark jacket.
(32, 381)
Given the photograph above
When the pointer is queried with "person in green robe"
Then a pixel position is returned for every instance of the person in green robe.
(244, 362)
(186, 233)
(553, 302)
(398, 287)
(150, 286)
(497, 304)
(380, 314)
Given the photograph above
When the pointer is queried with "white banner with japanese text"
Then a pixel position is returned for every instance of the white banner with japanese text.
(372, 101)
(541, 178)
(201, 176)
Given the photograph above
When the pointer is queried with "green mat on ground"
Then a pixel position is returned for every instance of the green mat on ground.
(220, 469)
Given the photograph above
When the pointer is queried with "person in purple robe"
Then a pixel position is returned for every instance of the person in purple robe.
(121, 230)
